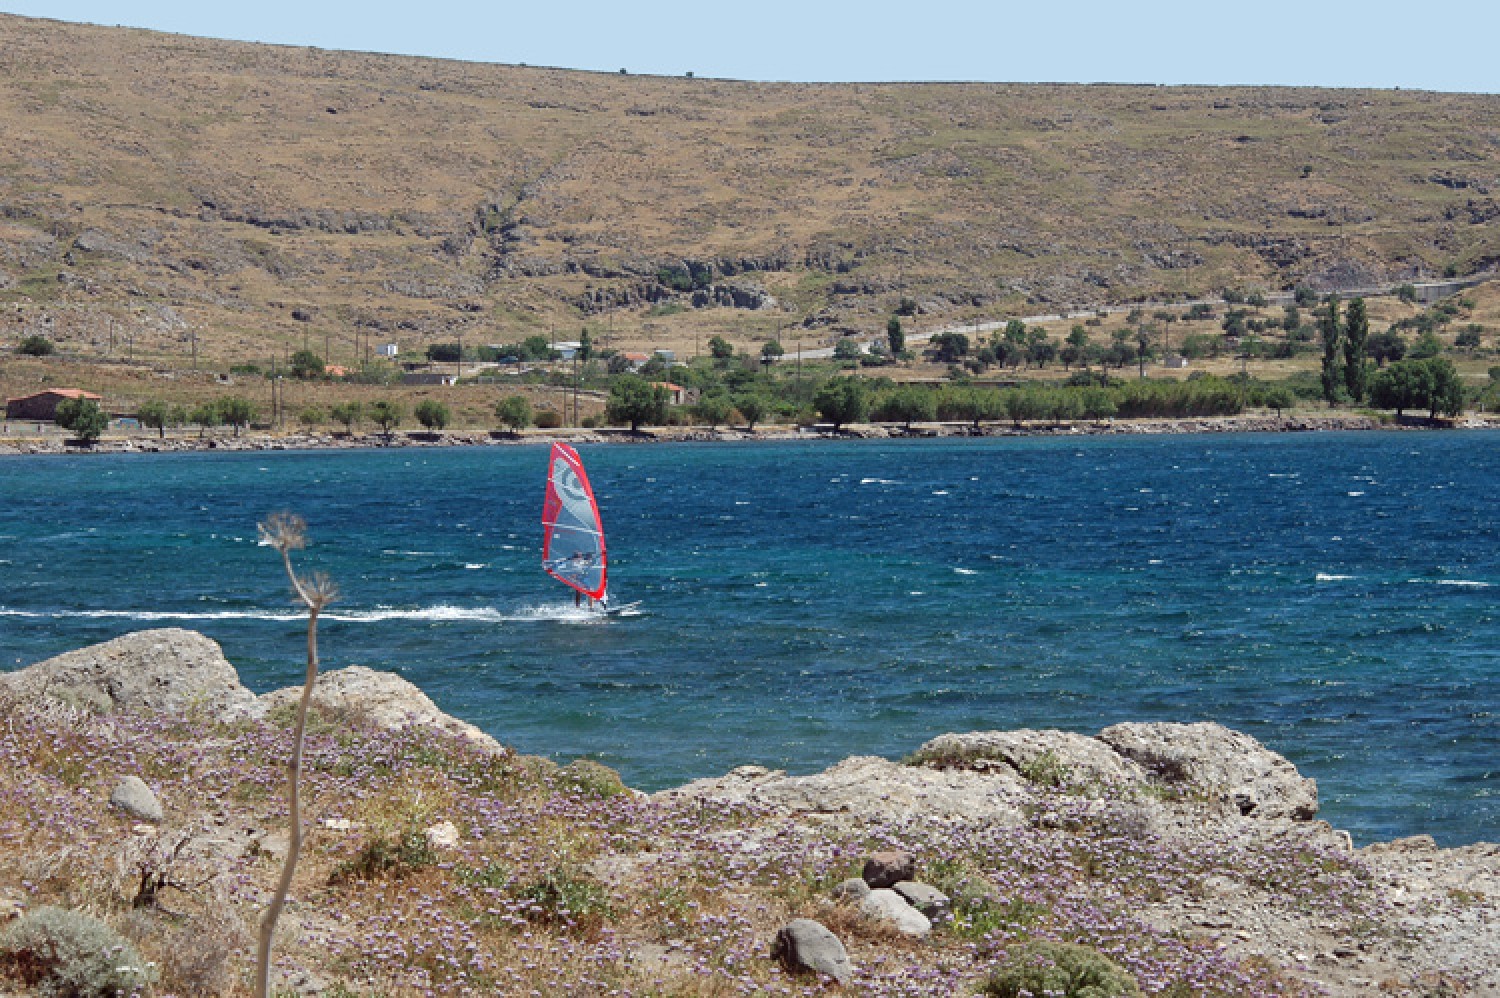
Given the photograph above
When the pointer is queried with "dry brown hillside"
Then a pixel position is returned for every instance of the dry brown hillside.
(159, 192)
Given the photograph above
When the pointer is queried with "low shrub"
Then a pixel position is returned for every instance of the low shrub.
(394, 855)
(67, 953)
(1059, 970)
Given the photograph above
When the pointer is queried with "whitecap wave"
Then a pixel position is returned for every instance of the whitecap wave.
(431, 614)
(966, 571)
(1330, 577)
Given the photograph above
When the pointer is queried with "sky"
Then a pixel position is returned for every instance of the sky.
(1326, 43)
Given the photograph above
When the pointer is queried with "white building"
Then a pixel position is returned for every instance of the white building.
(387, 350)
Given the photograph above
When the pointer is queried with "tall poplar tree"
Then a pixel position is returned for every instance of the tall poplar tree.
(1356, 365)
(1333, 354)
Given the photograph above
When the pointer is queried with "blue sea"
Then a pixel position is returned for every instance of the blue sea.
(1334, 595)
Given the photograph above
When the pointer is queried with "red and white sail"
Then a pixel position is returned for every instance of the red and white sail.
(573, 536)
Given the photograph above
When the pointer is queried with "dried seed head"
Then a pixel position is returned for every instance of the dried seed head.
(284, 531)
(319, 589)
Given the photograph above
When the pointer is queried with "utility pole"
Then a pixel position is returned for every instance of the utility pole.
(460, 358)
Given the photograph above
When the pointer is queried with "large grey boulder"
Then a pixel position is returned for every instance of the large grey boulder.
(806, 945)
(1261, 783)
(886, 906)
(384, 698)
(165, 671)
(132, 796)
(925, 898)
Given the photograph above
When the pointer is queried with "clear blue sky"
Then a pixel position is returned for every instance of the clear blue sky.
(1448, 46)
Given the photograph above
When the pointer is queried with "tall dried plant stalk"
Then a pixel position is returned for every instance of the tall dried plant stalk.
(287, 532)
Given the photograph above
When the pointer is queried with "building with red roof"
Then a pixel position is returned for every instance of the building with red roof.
(43, 405)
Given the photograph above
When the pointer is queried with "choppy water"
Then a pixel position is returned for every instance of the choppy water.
(1335, 595)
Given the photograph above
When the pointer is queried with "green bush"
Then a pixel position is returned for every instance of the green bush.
(548, 419)
(432, 414)
(565, 897)
(395, 855)
(36, 346)
(61, 952)
(1061, 970)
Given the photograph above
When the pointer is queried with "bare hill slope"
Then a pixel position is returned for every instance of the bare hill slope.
(248, 196)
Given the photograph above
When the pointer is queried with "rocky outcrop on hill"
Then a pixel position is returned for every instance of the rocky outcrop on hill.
(381, 697)
(174, 671)
(1195, 804)
(995, 776)
(1210, 756)
(166, 671)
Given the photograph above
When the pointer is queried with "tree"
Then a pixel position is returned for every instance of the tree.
(949, 348)
(1413, 384)
(307, 365)
(847, 348)
(753, 407)
(1280, 397)
(433, 414)
(207, 416)
(1333, 353)
(1356, 366)
(387, 414)
(713, 410)
(842, 400)
(908, 404)
(36, 346)
(1384, 347)
(895, 336)
(83, 417)
(348, 413)
(448, 353)
(970, 405)
(1024, 403)
(312, 416)
(236, 411)
(1407, 293)
(1447, 395)
(1426, 347)
(634, 400)
(771, 351)
(514, 411)
(1073, 348)
(585, 346)
(1040, 350)
(156, 414)
(720, 348)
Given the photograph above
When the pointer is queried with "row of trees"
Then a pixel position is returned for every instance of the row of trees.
(1430, 384)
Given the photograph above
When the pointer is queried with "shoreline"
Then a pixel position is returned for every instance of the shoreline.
(144, 443)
